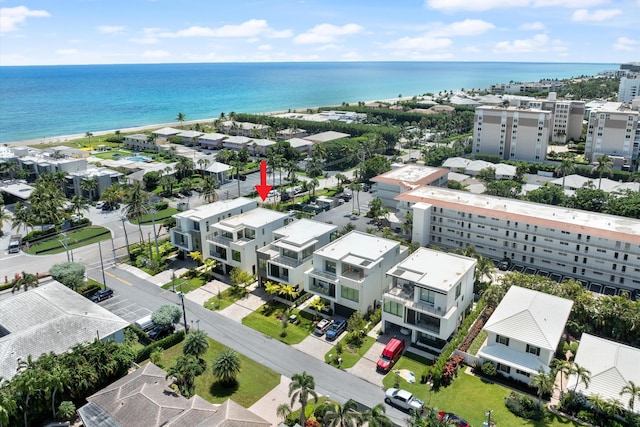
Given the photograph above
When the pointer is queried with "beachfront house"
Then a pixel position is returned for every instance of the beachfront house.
(429, 296)
(233, 241)
(211, 141)
(286, 259)
(350, 272)
(524, 332)
(141, 142)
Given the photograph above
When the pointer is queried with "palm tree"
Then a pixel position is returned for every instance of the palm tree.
(376, 416)
(566, 168)
(272, 288)
(583, 375)
(26, 281)
(633, 391)
(340, 177)
(544, 383)
(9, 168)
(562, 367)
(208, 265)
(602, 167)
(314, 183)
(196, 344)
(203, 163)
(317, 304)
(113, 194)
(289, 291)
(4, 216)
(345, 415)
(301, 388)
(57, 378)
(485, 268)
(184, 166)
(226, 367)
(185, 371)
(181, 118)
(208, 189)
(283, 410)
(136, 201)
(89, 135)
(89, 185)
(79, 204)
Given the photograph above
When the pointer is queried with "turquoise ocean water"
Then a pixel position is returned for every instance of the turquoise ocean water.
(48, 101)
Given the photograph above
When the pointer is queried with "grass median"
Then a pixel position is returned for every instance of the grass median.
(74, 239)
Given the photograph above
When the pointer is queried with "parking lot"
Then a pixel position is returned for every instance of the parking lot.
(125, 308)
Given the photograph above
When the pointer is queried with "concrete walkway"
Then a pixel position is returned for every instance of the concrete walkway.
(267, 406)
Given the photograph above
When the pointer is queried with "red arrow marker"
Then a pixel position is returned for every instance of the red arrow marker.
(263, 189)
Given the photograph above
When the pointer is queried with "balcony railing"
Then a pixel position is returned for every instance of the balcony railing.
(324, 275)
(355, 276)
(217, 239)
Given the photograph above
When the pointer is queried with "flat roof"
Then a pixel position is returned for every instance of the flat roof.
(254, 218)
(410, 176)
(50, 317)
(18, 189)
(572, 220)
(357, 246)
(213, 209)
(434, 269)
(326, 136)
(302, 231)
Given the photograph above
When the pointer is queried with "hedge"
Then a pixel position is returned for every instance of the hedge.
(164, 344)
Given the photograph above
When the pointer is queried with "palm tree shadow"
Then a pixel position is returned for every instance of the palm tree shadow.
(220, 389)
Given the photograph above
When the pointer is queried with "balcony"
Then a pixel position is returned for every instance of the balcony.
(286, 261)
(324, 275)
(321, 288)
(354, 275)
(224, 241)
(218, 253)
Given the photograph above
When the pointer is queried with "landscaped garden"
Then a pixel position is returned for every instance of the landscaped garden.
(273, 319)
(74, 239)
(349, 351)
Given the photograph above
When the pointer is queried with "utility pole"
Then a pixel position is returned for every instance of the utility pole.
(184, 312)
(104, 279)
(155, 235)
(488, 414)
(126, 237)
(66, 247)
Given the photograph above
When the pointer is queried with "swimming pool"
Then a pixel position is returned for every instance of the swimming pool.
(139, 159)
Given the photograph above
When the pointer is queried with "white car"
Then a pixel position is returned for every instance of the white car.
(99, 205)
(403, 399)
(273, 193)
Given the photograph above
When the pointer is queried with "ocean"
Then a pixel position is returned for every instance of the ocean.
(48, 101)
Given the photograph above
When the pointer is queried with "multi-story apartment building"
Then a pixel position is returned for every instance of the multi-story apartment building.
(629, 88)
(428, 297)
(286, 259)
(396, 181)
(591, 247)
(524, 332)
(350, 272)
(613, 129)
(193, 226)
(233, 241)
(512, 133)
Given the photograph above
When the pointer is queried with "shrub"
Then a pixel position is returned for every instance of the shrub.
(489, 369)
(164, 343)
(524, 406)
(587, 416)
(320, 411)
(88, 289)
(375, 317)
(160, 206)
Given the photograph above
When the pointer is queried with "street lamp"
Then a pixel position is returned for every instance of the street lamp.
(153, 212)
(184, 312)
(488, 414)
(126, 237)
(66, 247)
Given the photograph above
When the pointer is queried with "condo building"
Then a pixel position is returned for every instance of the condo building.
(233, 241)
(193, 226)
(613, 130)
(429, 295)
(286, 259)
(350, 272)
(629, 88)
(602, 251)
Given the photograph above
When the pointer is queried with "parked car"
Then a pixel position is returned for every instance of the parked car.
(403, 399)
(366, 188)
(159, 332)
(110, 207)
(102, 295)
(322, 326)
(344, 196)
(76, 217)
(453, 419)
(336, 329)
(390, 354)
(100, 204)
(273, 193)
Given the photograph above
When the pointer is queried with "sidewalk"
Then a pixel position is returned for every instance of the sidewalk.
(267, 406)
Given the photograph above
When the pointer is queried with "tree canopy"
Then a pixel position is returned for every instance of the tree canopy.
(166, 316)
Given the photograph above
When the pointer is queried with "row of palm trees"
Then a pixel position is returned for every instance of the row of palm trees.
(603, 166)
(302, 390)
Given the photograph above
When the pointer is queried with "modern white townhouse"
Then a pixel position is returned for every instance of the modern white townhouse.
(602, 251)
(396, 181)
(429, 295)
(286, 259)
(524, 332)
(350, 272)
(512, 133)
(193, 226)
(233, 241)
(614, 130)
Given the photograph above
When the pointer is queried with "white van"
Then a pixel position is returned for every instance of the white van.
(145, 323)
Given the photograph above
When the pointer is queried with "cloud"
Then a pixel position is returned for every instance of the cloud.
(626, 44)
(156, 54)
(149, 36)
(468, 27)
(583, 15)
(250, 28)
(326, 33)
(538, 43)
(12, 17)
(67, 51)
(419, 43)
(265, 47)
(532, 26)
(111, 29)
(479, 5)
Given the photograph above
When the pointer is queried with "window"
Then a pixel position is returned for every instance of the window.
(458, 289)
(330, 267)
(504, 368)
(533, 349)
(394, 308)
(350, 294)
(427, 296)
(502, 340)
(523, 373)
(235, 255)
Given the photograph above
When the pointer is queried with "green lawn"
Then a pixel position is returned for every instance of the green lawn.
(265, 320)
(224, 299)
(187, 284)
(350, 356)
(158, 217)
(477, 342)
(93, 234)
(112, 155)
(254, 381)
(471, 397)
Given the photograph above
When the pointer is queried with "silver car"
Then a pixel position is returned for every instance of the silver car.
(403, 399)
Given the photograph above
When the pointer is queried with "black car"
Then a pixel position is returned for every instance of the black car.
(159, 332)
(102, 295)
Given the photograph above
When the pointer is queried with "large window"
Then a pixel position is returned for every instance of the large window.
(502, 340)
(289, 253)
(504, 368)
(458, 289)
(427, 296)
(350, 294)
(533, 349)
(226, 234)
(308, 251)
(394, 308)
(330, 267)
(235, 255)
